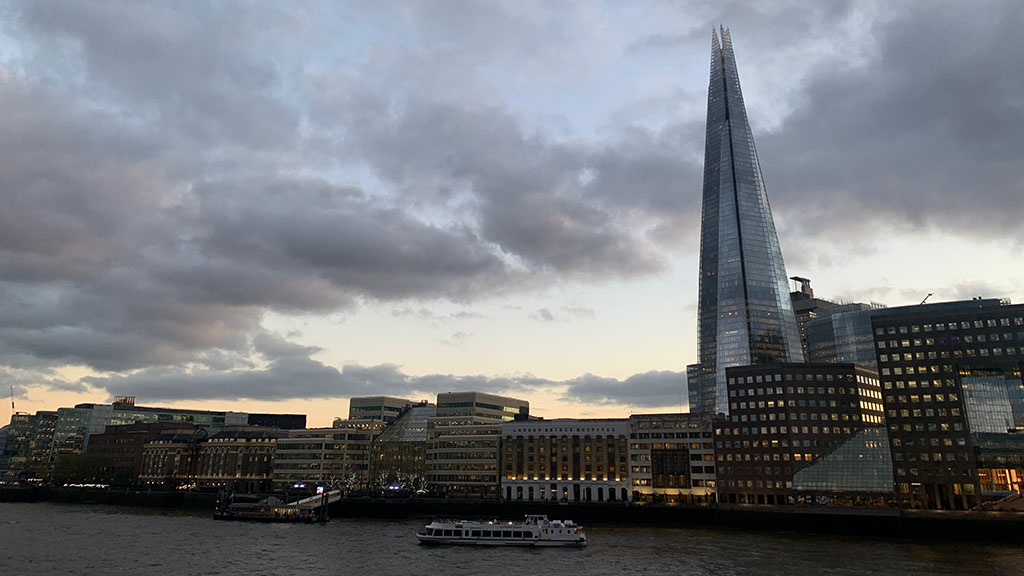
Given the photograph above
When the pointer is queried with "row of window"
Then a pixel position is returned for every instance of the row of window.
(784, 430)
(954, 340)
(755, 483)
(772, 417)
(954, 472)
(800, 377)
(665, 445)
(807, 403)
(940, 327)
(959, 353)
(903, 399)
(670, 435)
(917, 427)
(791, 390)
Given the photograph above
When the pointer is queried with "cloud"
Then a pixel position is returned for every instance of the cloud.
(297, 377)
(659, 42)
(272, 346)
(164, 189)
(23, 380)
(543, 315)
(918, 133)
(644, 390)
(457, 339)
(525, 194)
(563, 314)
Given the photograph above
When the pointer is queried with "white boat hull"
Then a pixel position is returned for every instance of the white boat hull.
(439, 541)
(535, 531)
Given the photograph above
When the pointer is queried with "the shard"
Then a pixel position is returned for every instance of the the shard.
(745, 315)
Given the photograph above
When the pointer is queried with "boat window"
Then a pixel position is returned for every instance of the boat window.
(475, 533)
(517, 534)
(506, 534)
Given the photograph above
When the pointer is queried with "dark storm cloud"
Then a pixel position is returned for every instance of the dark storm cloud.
(170, 173)
(156, 203)
(309, 229)
(528, 197)
(297, 377)
(284, 378)
(273, 347)
(300, 377)
(22, 381)
(199, 73)
(924, 134)
(648, 389)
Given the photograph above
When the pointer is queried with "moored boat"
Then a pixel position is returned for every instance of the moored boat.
(272, 510)
(534, 530)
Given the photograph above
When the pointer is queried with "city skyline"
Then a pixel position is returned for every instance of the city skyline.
(412, 199)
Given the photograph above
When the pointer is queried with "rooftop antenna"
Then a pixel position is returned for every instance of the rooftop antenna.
(12, 399)
(926, 298)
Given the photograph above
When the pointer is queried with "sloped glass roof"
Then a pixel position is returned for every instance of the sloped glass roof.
(861, 463)
(411, 427)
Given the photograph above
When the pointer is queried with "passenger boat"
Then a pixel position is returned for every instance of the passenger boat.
(535, 530)
(271, 510)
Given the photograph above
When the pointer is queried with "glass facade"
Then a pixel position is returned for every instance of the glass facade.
(949, 372)
(861, 463)
(1015, 392)
(987, 404)
(745, 314)
(400, 450)
(72, 430)
(782, 418)
(842, 334)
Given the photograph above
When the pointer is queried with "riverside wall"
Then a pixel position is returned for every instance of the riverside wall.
(863, 522)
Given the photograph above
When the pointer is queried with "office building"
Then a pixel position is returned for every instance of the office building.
(745, 315)
(481, 405)
(75, 425)
(949, 373)
(384, 408)
(337, 457)
(842, 333)
(806, 308)
(701, 399)
(17, 453)
(280, 421)
(784, 416)
(463, 442)
(672, 458)
(565, 460)
(398, 456)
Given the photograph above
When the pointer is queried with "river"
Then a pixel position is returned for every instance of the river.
(56, 539)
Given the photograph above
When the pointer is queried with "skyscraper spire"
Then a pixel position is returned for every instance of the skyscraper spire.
(744, 312)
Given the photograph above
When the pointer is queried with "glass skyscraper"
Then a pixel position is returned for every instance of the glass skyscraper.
(745, 315)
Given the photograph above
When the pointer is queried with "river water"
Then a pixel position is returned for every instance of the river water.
(55, 539)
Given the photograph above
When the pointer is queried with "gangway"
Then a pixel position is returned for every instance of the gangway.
(318, 499)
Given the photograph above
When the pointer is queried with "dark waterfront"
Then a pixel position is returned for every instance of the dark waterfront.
(44, 539)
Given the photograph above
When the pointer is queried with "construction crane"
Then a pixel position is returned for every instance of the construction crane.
(926, 298)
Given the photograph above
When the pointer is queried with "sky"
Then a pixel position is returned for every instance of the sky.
(276, 206)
